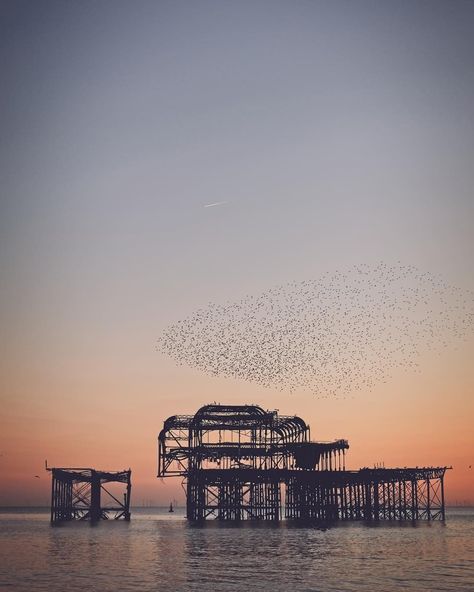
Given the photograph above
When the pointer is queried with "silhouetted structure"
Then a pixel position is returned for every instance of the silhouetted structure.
(237, 461)
(77, 494)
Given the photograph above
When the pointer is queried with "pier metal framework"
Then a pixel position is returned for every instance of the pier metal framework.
(241, 462)
(84, 494)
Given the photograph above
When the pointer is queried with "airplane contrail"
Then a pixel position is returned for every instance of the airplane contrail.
(217, 203)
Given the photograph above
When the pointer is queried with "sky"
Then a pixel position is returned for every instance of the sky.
(336, 132)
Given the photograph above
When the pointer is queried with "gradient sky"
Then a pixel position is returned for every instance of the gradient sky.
(338, 132)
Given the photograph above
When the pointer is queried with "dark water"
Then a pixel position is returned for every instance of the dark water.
(157, 551)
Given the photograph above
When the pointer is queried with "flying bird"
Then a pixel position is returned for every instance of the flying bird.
(334, 336)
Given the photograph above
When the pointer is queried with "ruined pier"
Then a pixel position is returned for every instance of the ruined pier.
(241, 462)
(81, 494)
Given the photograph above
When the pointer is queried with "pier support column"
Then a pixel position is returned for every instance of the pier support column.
(95, 510)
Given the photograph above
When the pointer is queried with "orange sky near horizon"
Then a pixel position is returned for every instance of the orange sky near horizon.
(111, 421)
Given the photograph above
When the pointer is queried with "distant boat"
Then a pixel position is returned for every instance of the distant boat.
(171, 507)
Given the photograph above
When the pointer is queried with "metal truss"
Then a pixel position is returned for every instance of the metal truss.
(81, 494)
(240, 462)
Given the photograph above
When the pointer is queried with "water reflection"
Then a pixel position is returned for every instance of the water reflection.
(154, 553)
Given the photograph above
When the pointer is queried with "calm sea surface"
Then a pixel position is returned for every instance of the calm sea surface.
(157, 551)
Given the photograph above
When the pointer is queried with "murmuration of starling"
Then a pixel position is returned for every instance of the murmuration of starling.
(333, 336)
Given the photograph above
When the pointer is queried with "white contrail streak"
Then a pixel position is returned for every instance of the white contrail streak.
(217, 203)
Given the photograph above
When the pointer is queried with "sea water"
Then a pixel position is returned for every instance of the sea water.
(159, 551)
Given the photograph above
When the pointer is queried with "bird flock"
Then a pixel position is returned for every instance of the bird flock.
(333, 336)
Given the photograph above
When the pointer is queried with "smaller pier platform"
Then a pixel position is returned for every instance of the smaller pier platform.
(81, 494)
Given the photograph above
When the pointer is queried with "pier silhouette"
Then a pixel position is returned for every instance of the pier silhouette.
(79, 493)
(241, 462)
